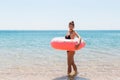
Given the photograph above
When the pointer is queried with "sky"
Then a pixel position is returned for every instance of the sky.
(56, 14)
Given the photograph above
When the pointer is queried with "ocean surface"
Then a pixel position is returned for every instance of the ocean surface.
(33, 47)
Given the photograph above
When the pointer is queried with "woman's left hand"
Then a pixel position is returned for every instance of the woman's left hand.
(76, 46)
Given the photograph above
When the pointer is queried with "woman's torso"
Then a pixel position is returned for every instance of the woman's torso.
(70, 35)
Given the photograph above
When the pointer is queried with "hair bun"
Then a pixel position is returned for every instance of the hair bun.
(72, 22)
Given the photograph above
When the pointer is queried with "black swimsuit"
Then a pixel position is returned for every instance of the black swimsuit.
(67, 37)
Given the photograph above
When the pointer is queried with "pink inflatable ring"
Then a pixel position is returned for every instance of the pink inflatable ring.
(66, 44)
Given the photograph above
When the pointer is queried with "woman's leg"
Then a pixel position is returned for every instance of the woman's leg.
(69, 61)
(73, 63)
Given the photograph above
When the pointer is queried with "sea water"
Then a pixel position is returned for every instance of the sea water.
(33, 47)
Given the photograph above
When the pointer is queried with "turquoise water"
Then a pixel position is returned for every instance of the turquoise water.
(33, 47)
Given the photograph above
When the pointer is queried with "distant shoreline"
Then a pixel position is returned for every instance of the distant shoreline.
(59, 30)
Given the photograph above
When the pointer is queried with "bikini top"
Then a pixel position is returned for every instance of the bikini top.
(67, 37)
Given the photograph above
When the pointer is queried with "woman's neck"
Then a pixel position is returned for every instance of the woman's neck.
(71, 31)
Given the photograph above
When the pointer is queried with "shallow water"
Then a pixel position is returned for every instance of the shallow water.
(33, 47)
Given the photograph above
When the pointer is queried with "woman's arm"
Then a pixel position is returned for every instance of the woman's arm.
(78, 36)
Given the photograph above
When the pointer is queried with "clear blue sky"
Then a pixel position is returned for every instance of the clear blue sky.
(55, 14)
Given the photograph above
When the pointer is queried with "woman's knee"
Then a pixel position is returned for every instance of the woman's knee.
(74, 64)
(69, 63)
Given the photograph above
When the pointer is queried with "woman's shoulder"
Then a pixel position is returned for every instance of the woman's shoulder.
(75, 31)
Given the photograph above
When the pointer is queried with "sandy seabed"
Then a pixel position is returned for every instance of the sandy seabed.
(88, 70)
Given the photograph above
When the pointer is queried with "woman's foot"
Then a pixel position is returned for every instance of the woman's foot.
(75, 73)
(69, 75)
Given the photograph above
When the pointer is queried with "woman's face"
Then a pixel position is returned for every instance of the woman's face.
(71, 27)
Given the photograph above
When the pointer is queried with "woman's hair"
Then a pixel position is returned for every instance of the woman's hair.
(72, 23)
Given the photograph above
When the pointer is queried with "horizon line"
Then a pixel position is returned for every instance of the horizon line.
(59, 30)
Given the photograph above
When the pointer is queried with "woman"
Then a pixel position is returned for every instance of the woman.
(71, 34)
